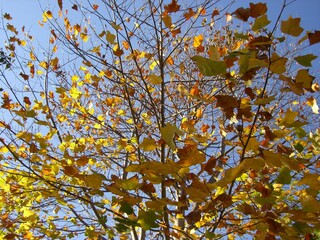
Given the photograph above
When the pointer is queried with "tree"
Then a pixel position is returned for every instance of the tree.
(148, 120)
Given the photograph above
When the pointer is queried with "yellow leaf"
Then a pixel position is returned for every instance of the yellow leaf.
(153, 65)
(74, 78)
(197, 41)
(154, 79)
(75, 93)
(148, 144)
(84, 37)
(168, 132)
(312, 102)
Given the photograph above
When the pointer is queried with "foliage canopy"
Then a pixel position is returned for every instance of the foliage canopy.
(159, 119)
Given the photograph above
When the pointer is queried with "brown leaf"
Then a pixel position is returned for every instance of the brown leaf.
(175, 32)
(258, 9)
(26, 101)
(314, 37)
(242, 13)
(215, 13)
(60, 4)
(172, 7)
(75, 7)
(189, 14)
(227, 103)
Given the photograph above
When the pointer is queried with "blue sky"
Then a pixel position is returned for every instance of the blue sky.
(28, 12)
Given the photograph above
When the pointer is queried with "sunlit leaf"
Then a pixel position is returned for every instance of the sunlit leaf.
(154, 79)
(168, 133)
(260, 23)
(208, 67)
(197, 40)
(148, 144)
(312, 102)
(147, 219)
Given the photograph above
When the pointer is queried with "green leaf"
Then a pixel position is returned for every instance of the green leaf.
(300, 132)
(209, 67)
(147, 220)
(284, 176)
(126, 208)
(291, 26)
(299, 147)
(260, 22)
(305, 60)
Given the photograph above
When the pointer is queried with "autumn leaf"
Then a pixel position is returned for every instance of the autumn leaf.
(304, 78)
(291, 27)
(168, 132)
(154, 79)
(148, 144)
(60, 4)
(7, 16)
(242, 13)
(258, 9)
(312, 102)
(167, 20)
(197, 41)
(227, 103)
(208, 67)
(278, 64)
(147, 220)
(172, 7)
(260, 23)
(189, 155)
(305, 60)
(314, 37)
(189, 14)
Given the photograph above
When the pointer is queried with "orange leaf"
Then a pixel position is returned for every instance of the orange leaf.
(172, 7)
(170, 60)
(126, 45)
(95, 7)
